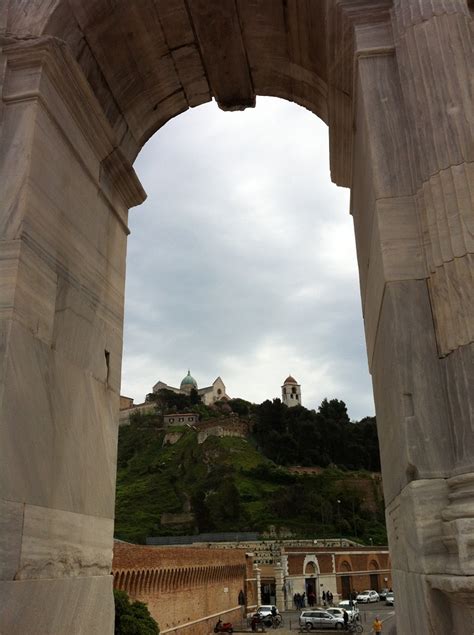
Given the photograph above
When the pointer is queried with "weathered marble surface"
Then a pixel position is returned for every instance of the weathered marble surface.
(83, 86)
(73, 606)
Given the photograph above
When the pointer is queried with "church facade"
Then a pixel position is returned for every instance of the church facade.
(209, 394)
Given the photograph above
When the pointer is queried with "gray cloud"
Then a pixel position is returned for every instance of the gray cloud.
(242, 261)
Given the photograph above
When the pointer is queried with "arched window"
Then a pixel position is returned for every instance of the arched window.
(345, 566)
(310, 568)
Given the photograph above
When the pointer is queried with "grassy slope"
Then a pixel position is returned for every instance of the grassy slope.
(153, 479)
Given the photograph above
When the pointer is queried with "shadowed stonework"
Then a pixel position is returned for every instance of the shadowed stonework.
(84, 85)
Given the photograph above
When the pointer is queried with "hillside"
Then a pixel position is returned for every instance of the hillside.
(227, 484)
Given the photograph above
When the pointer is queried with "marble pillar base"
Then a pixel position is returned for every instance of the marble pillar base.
(74, 606)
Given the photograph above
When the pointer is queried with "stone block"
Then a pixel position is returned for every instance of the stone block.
(458, 369)
(57, 446)
(415, 527)
(362, 196)
(76, 606)
(413, 417)
(449, 213)
(27, 288)
(435, 62)
(396, 253)
(452, 298)
(11, 523)
(455, 604)
(389, 139)
(15, 151)
(61, 544)
(420, 608)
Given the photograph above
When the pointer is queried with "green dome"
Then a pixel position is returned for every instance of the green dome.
(189, 382)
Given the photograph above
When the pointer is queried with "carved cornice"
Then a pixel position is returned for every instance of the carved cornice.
(36, 65)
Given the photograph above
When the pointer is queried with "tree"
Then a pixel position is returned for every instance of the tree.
(194, 397)
(132, 618)
(334, 410)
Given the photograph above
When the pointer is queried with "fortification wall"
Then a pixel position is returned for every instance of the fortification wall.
(186, 589)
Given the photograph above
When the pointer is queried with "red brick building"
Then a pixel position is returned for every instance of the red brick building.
(336, 569)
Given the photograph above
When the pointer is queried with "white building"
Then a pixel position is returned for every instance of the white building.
(291, 392)
(209, 395)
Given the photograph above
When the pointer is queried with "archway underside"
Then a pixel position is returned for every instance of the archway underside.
(84, 85)
(150, 61)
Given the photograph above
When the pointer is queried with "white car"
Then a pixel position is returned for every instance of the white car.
(352, 612)
(266, 609)
(389, 600)
(368, 596)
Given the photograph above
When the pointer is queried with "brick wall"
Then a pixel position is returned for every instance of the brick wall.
(186, 589)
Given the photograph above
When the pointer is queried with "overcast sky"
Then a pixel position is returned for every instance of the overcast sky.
(241, 263)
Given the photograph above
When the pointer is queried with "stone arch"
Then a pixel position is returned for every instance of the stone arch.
(131, 583)
(345, 566)
(399, 139)
(160, 580)
(310, 568)
(146, 581)
(167, 580)
(310, 565)
(373, 565)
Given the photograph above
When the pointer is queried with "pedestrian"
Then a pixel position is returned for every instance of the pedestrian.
(377, 625)
(303, 600)
(298, 601)
(324, 598)
(295, 600)
(330, 596)
(345, 617)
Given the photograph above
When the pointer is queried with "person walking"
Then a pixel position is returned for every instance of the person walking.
(345, 616)
(377, 625)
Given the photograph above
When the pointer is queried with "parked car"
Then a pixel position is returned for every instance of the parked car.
(345, 604)
(266, 609)
(389, 599)
(368, 596)
(317, 619)
(352, 612)
(383, 593)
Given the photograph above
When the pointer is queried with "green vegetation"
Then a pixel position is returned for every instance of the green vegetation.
(297, 436)
(235, 484)
(132, 618)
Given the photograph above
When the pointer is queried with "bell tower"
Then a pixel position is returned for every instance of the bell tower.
(291, 392)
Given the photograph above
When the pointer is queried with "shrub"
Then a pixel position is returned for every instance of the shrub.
(132, 618)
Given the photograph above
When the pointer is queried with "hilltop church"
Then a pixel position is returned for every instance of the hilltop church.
(209, 395)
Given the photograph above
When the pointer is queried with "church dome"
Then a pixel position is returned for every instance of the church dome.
(290, 380)
(188, 382)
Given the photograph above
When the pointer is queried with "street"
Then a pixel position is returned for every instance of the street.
(368, 612)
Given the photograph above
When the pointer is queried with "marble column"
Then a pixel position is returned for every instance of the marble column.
(65, 194)
(413, 216)
(279, 587)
